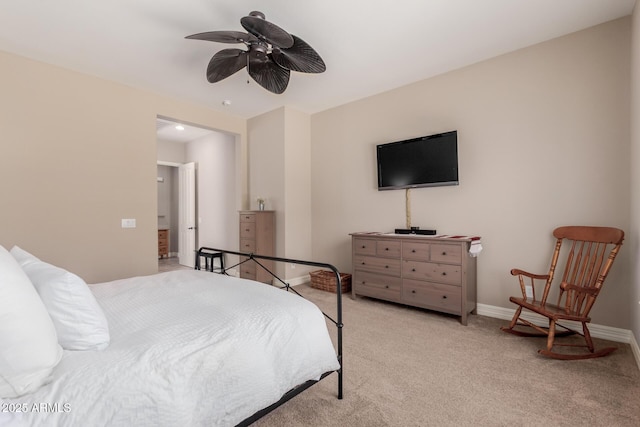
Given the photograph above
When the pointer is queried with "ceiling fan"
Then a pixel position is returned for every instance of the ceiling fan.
(271, 56)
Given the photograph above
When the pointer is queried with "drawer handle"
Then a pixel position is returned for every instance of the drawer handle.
(444, 297)
(444, 273)
(362, 262)
(386, 249)
(386, 286)
(413, 291)
(413, 269)
(364, 246)
(386, 266)
(413, 251)
(444, 254)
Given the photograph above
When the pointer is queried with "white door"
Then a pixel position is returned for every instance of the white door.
(187, 214)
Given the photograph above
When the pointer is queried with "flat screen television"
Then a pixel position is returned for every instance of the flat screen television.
(428, 161)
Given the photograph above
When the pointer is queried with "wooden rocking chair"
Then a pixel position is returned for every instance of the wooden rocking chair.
(591, 252)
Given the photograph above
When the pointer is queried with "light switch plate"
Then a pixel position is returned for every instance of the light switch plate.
(129, 223)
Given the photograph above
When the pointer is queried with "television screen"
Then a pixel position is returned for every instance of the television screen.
(428, 161)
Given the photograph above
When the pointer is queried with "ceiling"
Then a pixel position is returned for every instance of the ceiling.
(172, 131)
(369, 47)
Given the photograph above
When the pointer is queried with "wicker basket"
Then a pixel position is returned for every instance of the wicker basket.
(326, 281)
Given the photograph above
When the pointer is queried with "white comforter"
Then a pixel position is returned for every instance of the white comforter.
(188, 348)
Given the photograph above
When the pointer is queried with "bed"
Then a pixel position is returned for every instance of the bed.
(188, 347)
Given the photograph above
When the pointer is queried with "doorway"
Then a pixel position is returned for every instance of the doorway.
(215, 212)
(177, 238)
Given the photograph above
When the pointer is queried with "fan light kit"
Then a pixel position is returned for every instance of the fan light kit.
(271, 56)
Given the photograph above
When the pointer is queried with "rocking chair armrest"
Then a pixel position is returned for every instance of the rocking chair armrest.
(518, 272)
(527, 287)
(569, 287)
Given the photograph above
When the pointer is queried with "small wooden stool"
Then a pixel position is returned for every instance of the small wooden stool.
(209, 258)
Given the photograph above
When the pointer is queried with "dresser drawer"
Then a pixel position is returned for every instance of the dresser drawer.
(248, 269)
(257, 236)
(432, 295)
(418, 251)
(248, 217)
(380, 265)
(247, 230)
(377, 285)
(388, 249)
(446, 253)
(364, 246)
(163, 242)
(247, 245)
(433, 272)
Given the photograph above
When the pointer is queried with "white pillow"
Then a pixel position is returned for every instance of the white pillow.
(22, 256)
(79, 321)
(29, 348)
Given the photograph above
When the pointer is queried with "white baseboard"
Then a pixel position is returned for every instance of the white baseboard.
(232, 272)
(292, 282)
(635, 349)
(597, 331)
(301, 280)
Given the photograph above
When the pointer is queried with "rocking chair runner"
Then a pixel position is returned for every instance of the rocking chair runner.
(591, 252)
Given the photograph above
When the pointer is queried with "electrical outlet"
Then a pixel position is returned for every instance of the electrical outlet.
(528, 291)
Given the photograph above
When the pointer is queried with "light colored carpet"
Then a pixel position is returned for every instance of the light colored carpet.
(170, 264)
(411, 367)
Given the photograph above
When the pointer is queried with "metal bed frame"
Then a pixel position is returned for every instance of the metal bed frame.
(210, 254)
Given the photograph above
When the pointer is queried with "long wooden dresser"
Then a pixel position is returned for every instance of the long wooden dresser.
(431, 272)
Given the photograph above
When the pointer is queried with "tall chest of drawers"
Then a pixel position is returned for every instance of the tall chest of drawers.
(257, 236)
(421, 271)
(163, 242)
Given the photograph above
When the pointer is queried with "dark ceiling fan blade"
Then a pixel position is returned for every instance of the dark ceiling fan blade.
(265, 30)
(300, 57)
(267, 73)
(225, 63)
(271, 56)
(224, 37)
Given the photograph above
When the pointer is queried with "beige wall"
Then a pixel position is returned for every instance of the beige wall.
(171, 152)
(297, 154)
(279, 147)
(216, 205)
(543, 139)
(266, 135)
(633, 237)
(78, 154)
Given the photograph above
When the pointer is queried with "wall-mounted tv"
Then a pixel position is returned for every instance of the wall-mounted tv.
(428, 161)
